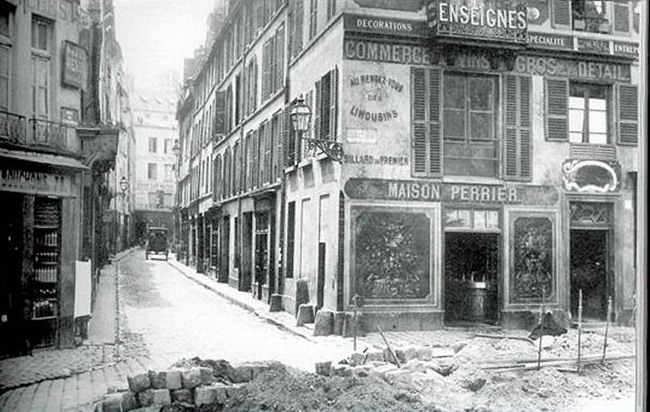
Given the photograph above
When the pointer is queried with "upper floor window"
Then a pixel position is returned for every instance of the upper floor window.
(40, 86)
(470, 146)
(5, 19)
(153, 145)
(588, 113)
(168, 146)
(590, 15)
(41, 31)
(152, 171)
(594, 16)
(5, 76)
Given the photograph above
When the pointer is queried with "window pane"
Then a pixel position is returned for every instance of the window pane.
(576, 120)
(480, 94)
(597, 104)
(492, 219)
(454, 124)
(454, 92)
(576, 102)
(4, 93)
(597, 122)
(481, 126)
(575, 137)
(598, 138)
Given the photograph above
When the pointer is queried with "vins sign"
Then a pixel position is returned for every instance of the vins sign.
(501, 21)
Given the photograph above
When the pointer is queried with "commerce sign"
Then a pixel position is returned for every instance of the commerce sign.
(503, 21)
(423, 191)
(384, 52)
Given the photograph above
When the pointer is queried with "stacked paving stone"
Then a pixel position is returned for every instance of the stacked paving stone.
(152, 390)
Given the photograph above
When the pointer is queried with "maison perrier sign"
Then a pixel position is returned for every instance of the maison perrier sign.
(427, 191)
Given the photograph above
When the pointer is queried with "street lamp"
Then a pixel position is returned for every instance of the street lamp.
(301, 118)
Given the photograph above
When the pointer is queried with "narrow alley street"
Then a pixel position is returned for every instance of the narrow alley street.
(179, 318)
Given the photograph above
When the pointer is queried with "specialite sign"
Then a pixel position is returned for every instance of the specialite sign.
(504, 21)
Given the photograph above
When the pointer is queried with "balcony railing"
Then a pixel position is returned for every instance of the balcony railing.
(47, 133)
(12, 127)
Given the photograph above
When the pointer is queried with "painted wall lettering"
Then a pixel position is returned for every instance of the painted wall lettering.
(377, 160)
(354, 49)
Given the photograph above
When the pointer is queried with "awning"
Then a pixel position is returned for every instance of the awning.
(43, 158)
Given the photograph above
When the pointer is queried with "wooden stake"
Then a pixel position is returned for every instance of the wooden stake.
(541, 332)
(390, 350)
(609, 314)
(481, 335)
(579, 326)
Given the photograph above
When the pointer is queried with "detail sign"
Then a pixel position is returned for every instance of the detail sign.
(35, 182)
(75, 66)
(503, 21)
(578, 69)
(423, 191)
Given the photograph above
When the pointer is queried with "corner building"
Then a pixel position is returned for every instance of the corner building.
(490, 160)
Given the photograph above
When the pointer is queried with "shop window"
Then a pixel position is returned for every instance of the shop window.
(41, 32)
(471, 219)
(152, 171)
(392, 255)
(588, 113)
(533, 277)
(470, 145)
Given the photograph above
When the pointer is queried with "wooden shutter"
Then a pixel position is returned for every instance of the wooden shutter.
(254, 87)
(268, 151)
(622, 17)
(426, 142)
(299, 16)
(334, 101)
(557, 109)
(628, 113)
(279, 144)
(220, 114)
(215, 179)
(267, 61)
(317, 109)
(279, 59)
(517, 140)
(561, 14)
(288, 139)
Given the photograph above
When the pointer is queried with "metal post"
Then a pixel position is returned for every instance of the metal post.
(117, 311)
(609, 314)
(541, 331)
(354, 344)
(579, 326)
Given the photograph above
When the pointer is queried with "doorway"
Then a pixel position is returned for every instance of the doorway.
(471, 277)
(590, 273)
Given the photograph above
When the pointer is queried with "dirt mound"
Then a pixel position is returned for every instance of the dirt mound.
(291, 390)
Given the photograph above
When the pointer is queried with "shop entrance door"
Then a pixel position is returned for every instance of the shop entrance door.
(471, 277)
(11, 248)
(590, 273)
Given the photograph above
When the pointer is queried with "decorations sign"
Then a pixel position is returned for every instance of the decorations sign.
(423, 191)
(75, 66)
(591, 176)
(382, 25)
(504, 21)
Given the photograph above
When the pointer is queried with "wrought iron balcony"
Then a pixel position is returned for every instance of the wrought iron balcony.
(12, 127)
(47, 133)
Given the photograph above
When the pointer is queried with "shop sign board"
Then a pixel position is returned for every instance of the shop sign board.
(386, 52)
(423, 191)
(626, 49)
(13, 179)
(75, 65)
(382, 25)
(573, 68)
(503, 21)
(550, 41)
(593, 45)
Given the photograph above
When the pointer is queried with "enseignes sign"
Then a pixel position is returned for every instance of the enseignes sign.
(502, 21)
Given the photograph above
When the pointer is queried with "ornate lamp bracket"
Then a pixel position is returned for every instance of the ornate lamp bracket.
(331, 148)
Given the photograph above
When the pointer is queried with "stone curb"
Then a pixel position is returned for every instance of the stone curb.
(207, 284)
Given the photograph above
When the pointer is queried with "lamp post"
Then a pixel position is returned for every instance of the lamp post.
(176, 150)
(124, 187)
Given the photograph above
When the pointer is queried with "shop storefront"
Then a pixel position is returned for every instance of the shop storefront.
(39, 236)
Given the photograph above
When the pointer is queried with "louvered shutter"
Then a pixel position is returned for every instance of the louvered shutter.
(628, 114)
(254, 87)
(426, 139)
(557, 109)
(517, 142)
(435, 135)
(268, 151)
(220, 114)
(299, 16)
(561, 14)
(334, 101)
(279, 59)
(288, 139)
(622, 17)
(317, 110)
(279, 148)
(266, 69)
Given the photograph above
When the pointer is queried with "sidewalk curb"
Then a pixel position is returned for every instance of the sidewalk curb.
(207, 284)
